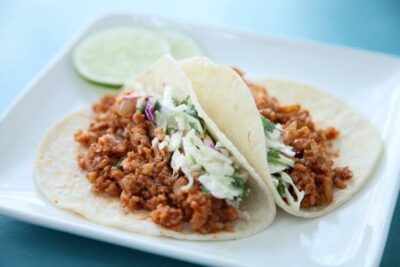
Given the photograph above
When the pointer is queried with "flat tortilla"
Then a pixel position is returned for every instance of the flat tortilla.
(60, 179)
(360, 144)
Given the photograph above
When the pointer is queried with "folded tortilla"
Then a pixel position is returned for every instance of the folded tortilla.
(225, 97)
(60, 179)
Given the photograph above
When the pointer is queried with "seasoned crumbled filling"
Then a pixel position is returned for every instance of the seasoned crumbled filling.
(314, 171)
(121, 162)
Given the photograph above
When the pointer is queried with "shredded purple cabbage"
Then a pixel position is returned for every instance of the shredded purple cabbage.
(149, 112)
(215, 148)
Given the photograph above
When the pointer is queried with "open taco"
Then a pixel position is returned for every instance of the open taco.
(313, 151)
(150, 160)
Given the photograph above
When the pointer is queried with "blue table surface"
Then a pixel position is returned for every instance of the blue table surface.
(31, 32)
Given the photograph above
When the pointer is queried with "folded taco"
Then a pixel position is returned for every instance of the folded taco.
(150, 160)
(312, 150)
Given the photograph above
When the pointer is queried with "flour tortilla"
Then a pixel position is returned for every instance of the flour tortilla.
(360, 144)
(60, 179)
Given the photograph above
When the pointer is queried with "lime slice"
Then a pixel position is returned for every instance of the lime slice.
(182, 45)
(112, 56)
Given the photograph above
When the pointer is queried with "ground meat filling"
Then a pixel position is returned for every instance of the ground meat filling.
(314, 171)
(121, 162)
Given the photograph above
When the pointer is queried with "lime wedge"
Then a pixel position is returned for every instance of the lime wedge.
(112, 56)
(182, 45)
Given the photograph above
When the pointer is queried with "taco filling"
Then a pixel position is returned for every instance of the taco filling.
(154, 153)
(300, 155)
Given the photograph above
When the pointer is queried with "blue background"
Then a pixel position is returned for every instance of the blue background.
(31, 32)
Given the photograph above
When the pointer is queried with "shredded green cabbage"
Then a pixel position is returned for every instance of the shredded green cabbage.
(280, 159)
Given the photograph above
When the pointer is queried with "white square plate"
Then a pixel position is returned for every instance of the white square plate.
(354, 235)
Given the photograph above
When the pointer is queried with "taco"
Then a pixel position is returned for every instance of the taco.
(313, 151)
(150, 160)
